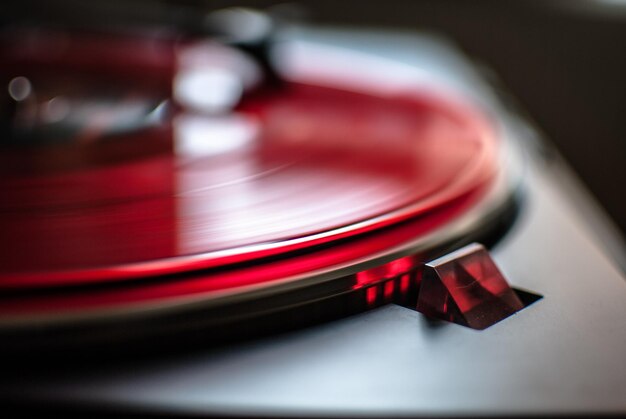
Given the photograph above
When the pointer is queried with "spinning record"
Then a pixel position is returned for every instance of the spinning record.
(160, 156)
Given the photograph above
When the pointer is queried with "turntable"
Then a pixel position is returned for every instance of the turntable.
(291, 222)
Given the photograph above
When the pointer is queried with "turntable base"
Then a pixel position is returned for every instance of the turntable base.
(562, 355)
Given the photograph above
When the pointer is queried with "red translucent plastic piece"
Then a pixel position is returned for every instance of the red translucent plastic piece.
(466, 287)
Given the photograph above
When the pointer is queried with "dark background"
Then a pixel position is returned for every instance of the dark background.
(564, 61)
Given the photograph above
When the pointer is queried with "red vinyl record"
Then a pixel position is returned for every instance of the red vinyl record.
(135, 177)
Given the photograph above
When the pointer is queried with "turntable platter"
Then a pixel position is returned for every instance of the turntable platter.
(126, 191)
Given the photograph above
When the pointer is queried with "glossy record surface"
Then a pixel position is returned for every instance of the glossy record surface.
(184, 189)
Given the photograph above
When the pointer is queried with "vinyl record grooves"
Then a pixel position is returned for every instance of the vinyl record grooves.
(123, 192)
